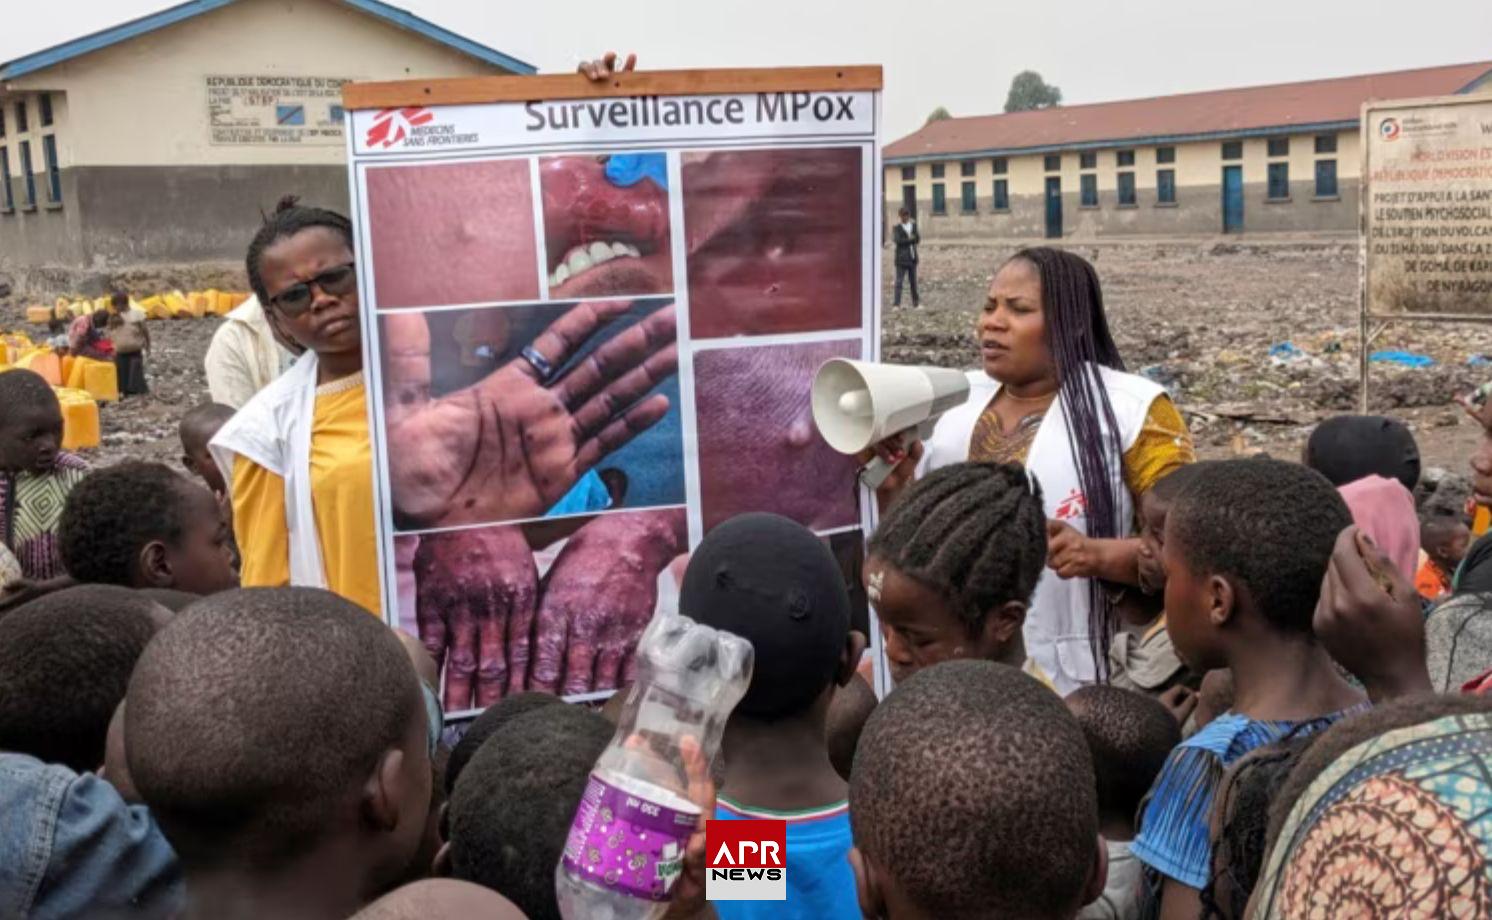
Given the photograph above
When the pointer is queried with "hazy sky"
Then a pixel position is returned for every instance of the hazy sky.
(956, 53)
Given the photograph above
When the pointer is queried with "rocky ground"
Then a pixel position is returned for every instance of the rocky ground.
(1201, 317)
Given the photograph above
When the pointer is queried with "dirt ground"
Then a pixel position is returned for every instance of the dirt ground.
(1201, 317)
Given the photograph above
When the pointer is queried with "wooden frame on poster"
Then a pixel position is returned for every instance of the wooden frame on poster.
(470, 90)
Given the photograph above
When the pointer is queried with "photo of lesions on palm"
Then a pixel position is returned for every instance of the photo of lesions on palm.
(503, 414)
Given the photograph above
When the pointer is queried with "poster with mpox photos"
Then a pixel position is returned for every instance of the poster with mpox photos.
(594, 312)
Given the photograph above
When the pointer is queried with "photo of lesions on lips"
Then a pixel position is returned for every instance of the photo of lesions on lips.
(606, 225)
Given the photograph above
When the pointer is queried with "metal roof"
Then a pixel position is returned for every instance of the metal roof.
(1317, 105)
(392, 15)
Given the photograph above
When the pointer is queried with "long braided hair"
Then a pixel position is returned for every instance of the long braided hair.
(973, 532)
(287, 219)
(1078, 338)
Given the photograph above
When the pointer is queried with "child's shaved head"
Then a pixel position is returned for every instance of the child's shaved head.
(254, 720)
(973, 790)
(65, 661)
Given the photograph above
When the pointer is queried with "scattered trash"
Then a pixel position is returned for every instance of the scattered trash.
(1402, 358)
(1284, 350)
(1162, 375)
(1479, 361)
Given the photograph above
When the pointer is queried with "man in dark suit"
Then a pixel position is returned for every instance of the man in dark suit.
(906, 237)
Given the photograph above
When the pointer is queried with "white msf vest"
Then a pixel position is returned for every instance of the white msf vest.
(274, 430)
(1057, 632)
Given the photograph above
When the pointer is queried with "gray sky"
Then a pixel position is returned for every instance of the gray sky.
(956, 53)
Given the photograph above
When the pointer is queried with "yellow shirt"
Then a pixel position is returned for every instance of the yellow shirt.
(341, 497)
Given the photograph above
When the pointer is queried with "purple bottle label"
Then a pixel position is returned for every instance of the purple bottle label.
(627, 843)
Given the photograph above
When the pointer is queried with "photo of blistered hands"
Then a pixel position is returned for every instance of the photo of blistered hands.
(556, 606)
(523, 405)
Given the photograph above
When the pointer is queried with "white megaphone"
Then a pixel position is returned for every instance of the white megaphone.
(857, 404)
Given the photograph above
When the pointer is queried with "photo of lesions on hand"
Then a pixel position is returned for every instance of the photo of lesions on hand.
(507, 414)
(606, 225)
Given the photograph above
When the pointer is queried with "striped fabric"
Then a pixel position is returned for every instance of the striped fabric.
(30, 509)
(1173, 839)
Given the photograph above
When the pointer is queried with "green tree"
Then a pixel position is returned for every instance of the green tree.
(1028, 91)
(938, 114)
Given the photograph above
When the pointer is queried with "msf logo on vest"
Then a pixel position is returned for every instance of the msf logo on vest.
(746, 860)
(391, 126)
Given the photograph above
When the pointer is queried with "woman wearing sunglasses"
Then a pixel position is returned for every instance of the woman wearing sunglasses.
(297, 456)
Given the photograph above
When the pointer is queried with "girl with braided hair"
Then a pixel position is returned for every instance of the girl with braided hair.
(952, 567)
(1053, 395)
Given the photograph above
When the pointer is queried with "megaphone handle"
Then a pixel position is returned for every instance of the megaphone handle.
(875, 472)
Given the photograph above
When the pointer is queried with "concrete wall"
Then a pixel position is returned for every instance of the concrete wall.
(190, 213)
(142, 180)
(1198, 210)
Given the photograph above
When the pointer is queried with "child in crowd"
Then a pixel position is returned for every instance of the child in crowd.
(69, 844)
(853, 703)
(487, 724)
(1130, 735)
(86, 338)
(131, 340)
(36, 474)
(57, 335)
(196, 431)
(1240, 823)
(772, 582)
(1246, 547)
(277, 809)
(953, 565)
(1346, 448)
(440, 899)
(64, 662)
(1384, 510)
(1445, 539)
(511, 810)
(1142, 656)
(141, 525)
(973, 796)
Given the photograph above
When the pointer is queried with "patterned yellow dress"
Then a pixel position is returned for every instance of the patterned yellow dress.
(1163, 445)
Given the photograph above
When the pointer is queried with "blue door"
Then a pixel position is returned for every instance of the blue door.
(1053, 208)
(1232, 199)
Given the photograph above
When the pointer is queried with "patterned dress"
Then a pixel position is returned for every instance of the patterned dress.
(1164, 443)
(1398, 826)
(30, 509)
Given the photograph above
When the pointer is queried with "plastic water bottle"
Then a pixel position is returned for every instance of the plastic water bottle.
(626, 845)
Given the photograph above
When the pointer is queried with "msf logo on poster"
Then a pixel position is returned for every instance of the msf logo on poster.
(746, 860)
(391, 126)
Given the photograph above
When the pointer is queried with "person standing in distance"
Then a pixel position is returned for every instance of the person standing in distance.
(907, 238)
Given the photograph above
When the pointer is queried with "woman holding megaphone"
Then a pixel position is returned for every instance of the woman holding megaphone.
(1053, 395)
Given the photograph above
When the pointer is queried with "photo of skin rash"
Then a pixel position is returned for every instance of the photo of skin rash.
(452, 233)
(773, 240)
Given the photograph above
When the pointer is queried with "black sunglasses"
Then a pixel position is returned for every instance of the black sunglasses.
(296, 299)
